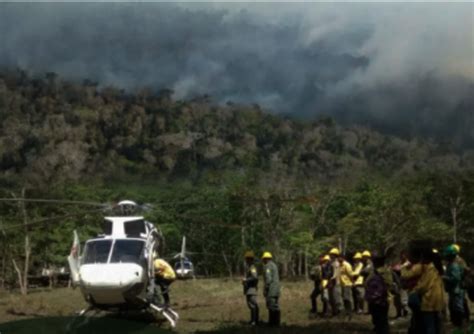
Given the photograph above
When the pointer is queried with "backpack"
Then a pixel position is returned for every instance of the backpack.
(468, 283)
(376, 291)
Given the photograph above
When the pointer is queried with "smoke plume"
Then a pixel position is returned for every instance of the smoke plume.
(403, 68)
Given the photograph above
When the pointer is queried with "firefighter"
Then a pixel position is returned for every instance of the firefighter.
(367, 261)
(467, 272)
(271, 291)
(327, 273)
(346, 284)
(334, 284)
(164, 277)
(250, 284)
(358, 288)
(453, 285)
(316, 277)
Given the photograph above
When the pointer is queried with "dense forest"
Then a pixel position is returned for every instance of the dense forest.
(229, 177)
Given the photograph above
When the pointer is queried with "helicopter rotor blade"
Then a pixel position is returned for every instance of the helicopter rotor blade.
(55, 201)
(183, 247)
(46, 220)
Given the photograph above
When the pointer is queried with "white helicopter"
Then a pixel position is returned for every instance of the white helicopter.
(115, 272)
(184, 267)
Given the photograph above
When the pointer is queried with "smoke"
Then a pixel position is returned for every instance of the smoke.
(404, 68)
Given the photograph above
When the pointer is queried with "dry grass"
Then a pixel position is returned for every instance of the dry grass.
(204, 306)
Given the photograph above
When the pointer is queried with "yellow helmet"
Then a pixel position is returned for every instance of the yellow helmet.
(267, 255)
(249, 254)
(457, 247)
(326, 258)
(357, 256)
(335, 251)
(366, 253)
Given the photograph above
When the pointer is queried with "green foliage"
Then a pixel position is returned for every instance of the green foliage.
(230, 178)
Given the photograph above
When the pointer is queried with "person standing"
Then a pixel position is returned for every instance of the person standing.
(358, 288)
(316, 277)
(327, 273)
(346, 284)
(429, 291)
(377, 296)
(334, 284)
(466, 273)
(271, 290)
(250, 284)
(453, 285)
(401, 298)
(367, 261)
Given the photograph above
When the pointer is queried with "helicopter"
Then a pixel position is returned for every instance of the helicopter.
(115, 271)
(184, 268)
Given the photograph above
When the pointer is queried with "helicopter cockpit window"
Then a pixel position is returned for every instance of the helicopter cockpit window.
(127, 251)
(97, 251)
(135, 227)
(107, 227)
(186, 265)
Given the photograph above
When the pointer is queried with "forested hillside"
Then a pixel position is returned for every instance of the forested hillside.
(56, 131)
(230, 177)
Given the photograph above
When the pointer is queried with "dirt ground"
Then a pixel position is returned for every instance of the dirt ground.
(204, 305)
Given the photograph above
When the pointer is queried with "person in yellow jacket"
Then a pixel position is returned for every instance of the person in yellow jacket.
(429, 294)
(358, 287)
(346, 276)
(164, 277)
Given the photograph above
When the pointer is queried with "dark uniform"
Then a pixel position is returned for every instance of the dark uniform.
(250, 291)
(272, 292)
(327, 273)
(316, 276)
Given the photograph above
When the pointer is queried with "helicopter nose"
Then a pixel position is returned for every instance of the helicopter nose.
(111, 275)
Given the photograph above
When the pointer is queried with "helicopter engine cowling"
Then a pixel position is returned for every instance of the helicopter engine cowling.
(112, 283)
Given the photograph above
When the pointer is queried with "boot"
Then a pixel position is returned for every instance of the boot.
(348, 309)
(314, 307)
(271, 318)
(253, 317)
(277, 318)
(326, 312)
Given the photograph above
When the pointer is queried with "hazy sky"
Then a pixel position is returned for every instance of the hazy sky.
(406, 68)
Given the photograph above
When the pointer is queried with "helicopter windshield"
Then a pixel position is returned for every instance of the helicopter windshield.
(97, 251)
(186, 265)
(128, 251)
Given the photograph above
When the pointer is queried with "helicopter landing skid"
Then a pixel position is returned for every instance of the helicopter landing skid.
(167, 312)
(82, 314)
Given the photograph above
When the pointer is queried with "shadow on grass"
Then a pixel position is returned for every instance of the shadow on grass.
(314, 328)
(73, 325)
(323, 327)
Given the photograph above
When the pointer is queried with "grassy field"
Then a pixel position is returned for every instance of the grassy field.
(207, 305)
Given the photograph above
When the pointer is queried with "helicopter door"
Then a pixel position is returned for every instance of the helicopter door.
(74, 259)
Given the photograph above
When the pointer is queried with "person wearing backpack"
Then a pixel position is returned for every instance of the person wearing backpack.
(376, 295)
(453, 285)
(467, 280)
